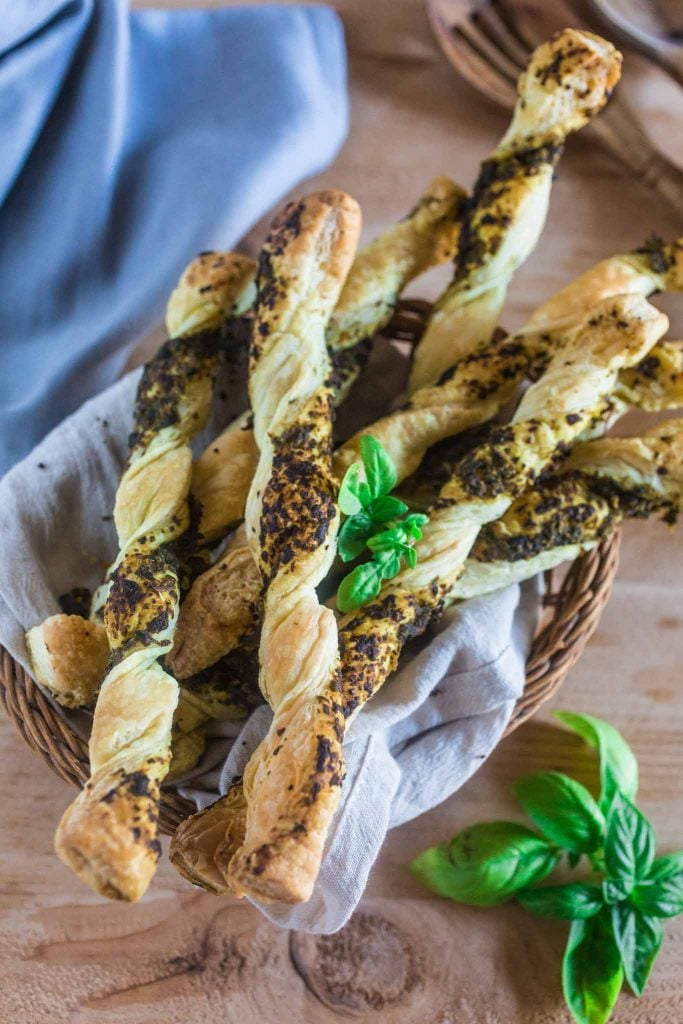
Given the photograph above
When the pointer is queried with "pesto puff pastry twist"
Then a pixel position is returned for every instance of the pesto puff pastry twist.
(68, 653)
(601, 483)
(567, 81)
(108, 835)
(292, 780)
(222, 474)
(222, 606)
(572, 394)
(481, 384)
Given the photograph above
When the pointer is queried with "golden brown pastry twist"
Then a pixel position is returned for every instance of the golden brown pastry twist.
(292, 780)
(222, 607)
(567, 81)
(68, 653)
(600, 484)
(222, 474)
(108, 835)
(572, 393)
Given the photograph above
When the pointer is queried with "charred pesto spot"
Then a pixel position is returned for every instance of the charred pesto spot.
(165, 379)
(348, 363)
(485, 215)
(298, 503)
(661, 255)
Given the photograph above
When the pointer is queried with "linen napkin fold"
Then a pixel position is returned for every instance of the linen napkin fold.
(131, 141)
(416, 742)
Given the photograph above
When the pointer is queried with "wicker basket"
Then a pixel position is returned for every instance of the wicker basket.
(572, 610)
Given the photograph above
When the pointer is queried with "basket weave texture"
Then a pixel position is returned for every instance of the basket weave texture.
(572, 610)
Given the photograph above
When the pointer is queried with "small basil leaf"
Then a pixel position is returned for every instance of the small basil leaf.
(349, 500)
(387, 540)
(572, 901)
(380, 471)
(563, 809)
(629, 842)
(486, 864)
(416, 519)
(389, 563)
(386, 508)
(638, 938)
(360, 586)
(614, 890)
(353, 536)
(411, 557)
(592, 974)
(364, 494)
(618, 765)
(661, 894)
(668, 866)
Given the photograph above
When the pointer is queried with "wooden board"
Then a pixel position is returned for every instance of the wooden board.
(184, 956)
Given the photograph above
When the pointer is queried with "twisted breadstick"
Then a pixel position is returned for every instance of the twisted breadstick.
(222, 607)
(571, 394)
(204, 297)
(654, 385)
(108, 835)
(568, 80)
(68, 654)
(291, 525)
(600, 484)
(568, 398)
(222, 475)
(222, 604)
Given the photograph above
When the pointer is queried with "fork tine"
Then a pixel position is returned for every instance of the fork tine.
(495, 60)
(489, 22)
(465, 52)
(524, 45)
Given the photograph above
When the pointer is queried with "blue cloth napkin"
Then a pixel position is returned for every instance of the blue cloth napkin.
(131, 141)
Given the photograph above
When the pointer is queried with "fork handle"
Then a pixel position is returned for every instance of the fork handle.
(620, 131)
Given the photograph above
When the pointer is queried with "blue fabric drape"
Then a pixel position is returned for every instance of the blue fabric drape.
(130, 141)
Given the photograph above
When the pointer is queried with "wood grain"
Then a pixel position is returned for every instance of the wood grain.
(183, 956)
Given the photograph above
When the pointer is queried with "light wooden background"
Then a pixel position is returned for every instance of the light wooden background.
(184, 956)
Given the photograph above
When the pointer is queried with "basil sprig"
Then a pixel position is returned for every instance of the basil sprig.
(616, 911)
(377, 522)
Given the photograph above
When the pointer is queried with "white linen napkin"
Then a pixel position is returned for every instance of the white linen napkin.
(420, 739)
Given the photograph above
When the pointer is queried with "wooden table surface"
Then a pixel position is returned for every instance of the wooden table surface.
(182, 955)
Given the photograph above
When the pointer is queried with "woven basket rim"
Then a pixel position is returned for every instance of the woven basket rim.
(573, 611)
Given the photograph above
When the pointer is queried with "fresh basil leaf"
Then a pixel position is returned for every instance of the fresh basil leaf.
(563, 809)
(614, 890)
(353, 536)
(410, 555)
(638, 939)
(389, 563)
(360, 586)
(349, 499)
(667, 866)
(413, 524)
(387, 540)
(380, 471)
(386, 508)
(661, 894)
(417, 519)
(571, 902)
(592, 974)
(486, 864)
(618, 765)
(629, 842)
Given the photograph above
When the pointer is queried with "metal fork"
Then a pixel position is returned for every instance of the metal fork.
(483, 41)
